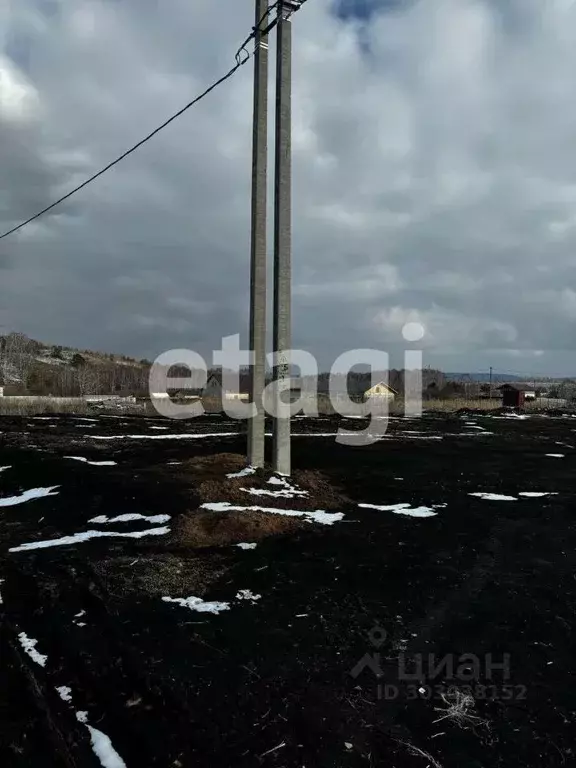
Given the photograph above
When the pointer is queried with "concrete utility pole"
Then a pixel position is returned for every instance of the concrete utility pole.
(282, 232)
(256, 425)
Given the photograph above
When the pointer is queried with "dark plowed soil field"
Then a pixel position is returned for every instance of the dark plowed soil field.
(435, 634)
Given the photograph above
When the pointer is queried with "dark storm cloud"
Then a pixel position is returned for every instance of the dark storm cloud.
(433, 177)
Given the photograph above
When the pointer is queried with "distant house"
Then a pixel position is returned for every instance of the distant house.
(214, 388)
(353, 388)
(381, 390)
(514, 395)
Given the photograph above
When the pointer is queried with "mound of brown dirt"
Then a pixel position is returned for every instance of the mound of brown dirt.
(218, 465)
(322, 492)
(212, 484)
(204, 528)
(213, 529)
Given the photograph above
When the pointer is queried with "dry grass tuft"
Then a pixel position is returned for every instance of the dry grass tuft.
(417, 752)
(30, 406)
(459, 709)
(156, 575)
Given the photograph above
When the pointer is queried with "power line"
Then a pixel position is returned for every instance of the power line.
(240, 61)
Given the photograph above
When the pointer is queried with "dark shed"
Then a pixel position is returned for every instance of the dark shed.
(513, 395)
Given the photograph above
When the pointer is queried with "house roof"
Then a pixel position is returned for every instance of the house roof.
(382, 384)
(243, 381)
(517, 387)
(353, 387)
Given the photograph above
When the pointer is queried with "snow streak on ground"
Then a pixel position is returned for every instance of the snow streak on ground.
(2, 582)
(537, 494)
(29, 645)
(319, 515)
(555, 455)
(33, 493)
(65, 693)
(287, 492)
(481, 433)
(93, 463)
(103, 749)
(186, 436)
(101, 744)
(265, 492)
(128, 518)
(242, 545)
(197, 604)
(493, 496)
(402, 509)
(79, 616)
(3, 469)
(286, 489)
(78, 538)
(243, 472)
(245, 594)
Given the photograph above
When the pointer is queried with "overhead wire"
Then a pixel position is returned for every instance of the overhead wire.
(240, 60)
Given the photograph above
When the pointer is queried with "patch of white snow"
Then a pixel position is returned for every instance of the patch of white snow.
(243, 472)
(197, 604)
(402, 509)
(29, 645)
(78, 538)
(30, 495)
(319, 516)
(103, 749)
(101, 744)
(128, 518)
(183, 436)
(65, 693)
(245, 594)
(537, 494)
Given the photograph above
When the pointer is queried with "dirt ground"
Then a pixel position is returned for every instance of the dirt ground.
(442, 638)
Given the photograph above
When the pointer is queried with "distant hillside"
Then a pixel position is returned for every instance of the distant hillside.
(32, 367)
(483, 377)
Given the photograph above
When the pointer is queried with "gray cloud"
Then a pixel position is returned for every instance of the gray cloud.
(433, 177)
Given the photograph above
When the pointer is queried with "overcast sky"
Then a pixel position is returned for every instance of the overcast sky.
(434, 177)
